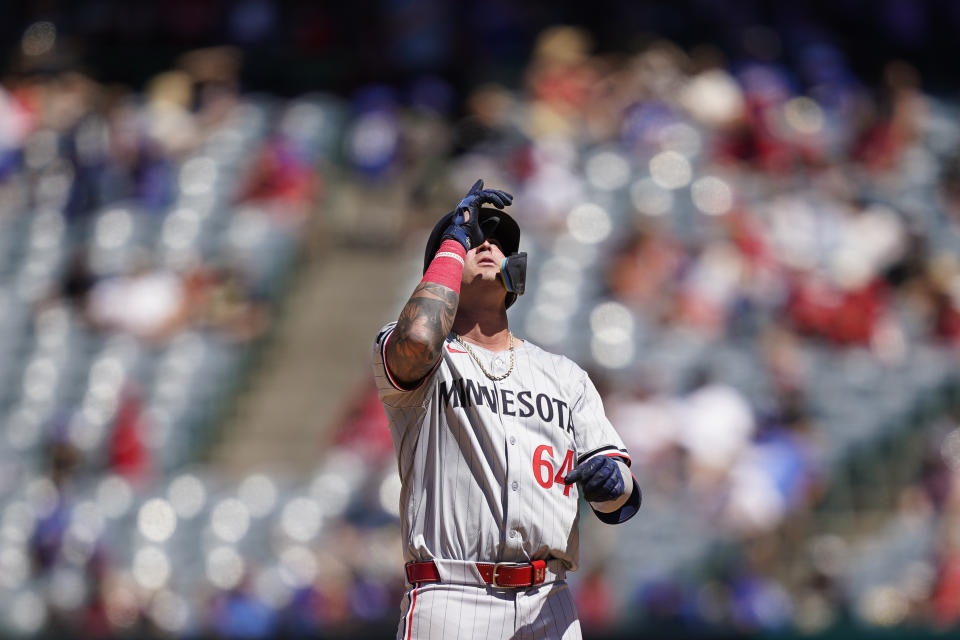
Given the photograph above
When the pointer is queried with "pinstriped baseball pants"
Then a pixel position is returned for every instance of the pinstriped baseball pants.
(439, 611)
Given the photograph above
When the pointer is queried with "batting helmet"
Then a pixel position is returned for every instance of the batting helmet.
(506, 231)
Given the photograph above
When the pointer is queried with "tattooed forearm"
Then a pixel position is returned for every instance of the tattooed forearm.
(424, 322)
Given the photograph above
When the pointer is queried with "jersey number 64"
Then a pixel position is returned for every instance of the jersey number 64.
(543, 468)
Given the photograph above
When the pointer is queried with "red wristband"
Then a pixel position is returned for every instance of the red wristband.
(446, 268)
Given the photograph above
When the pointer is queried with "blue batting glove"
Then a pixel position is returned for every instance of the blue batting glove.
(599, 477)
(468, 232)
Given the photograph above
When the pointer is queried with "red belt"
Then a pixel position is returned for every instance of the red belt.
(499, 574)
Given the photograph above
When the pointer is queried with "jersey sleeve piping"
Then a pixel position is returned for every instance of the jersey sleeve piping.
(608, 450)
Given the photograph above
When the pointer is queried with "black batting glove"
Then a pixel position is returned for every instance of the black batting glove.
(599, 477)
(468, 232)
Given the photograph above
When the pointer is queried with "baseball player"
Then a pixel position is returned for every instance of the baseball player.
(495, 441)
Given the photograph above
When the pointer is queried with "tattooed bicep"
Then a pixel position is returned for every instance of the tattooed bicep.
(423, 324)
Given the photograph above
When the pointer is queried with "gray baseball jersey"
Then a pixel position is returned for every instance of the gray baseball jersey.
(482, 461)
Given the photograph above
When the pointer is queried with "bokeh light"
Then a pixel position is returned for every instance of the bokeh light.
(41, 148)
(670, 170)
(43, 496)
(156, 520)
(612, 344)
(230, 520)
(114, 227)
(298, 566)
(950, 448)
(181, 228)
(271, 587)
(883, 606)
(610, 355)
(39, 38)
(682, 138)
(197, 175)
(39, 379)
(18, 519)
(611, 322)
(649, 198)
(24, 429)
(114, 496)
(547, 323)
(712, 195)
(151, 567)
(86, 526)
(27, 613)
(330, 490)
(225, 567)
(169, 611)
(121, 601)
(68, 589)
(14, 567)
(259, 493)
(804, 115)
(301, 519)
(607, 170)
(713, 97)
(589, 223)
(86, 429)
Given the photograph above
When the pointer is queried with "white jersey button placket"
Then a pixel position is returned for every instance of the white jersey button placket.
(514, 466)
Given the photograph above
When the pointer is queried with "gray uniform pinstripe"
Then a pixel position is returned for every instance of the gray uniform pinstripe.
(481, 464)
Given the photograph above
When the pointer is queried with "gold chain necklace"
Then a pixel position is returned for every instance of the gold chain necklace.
(473, 355)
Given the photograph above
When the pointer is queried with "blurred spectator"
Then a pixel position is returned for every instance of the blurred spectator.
(594, 601)
(716, 425)
(148, 302)
(221, 299)
(647, 262)
(237, 613)
(282, 177)
(126, 447)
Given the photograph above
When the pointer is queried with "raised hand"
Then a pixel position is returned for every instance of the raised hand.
(465, 226)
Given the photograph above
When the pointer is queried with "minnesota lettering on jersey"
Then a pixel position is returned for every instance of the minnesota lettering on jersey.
(464, 392)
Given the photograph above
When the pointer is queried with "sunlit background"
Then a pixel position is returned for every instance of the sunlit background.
(743, 219)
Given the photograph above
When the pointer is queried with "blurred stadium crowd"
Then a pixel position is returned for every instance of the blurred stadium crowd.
(757, 262)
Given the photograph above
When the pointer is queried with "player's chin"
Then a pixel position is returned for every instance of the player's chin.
(487, 270)
(485, 276)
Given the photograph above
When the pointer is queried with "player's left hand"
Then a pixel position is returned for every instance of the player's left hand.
(600, 479)
(465, 226)
(478, 196)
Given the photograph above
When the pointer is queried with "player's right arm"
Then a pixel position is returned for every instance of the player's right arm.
(413, 349)
(425, 321)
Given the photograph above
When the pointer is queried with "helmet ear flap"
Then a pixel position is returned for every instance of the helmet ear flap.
(513, 271)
